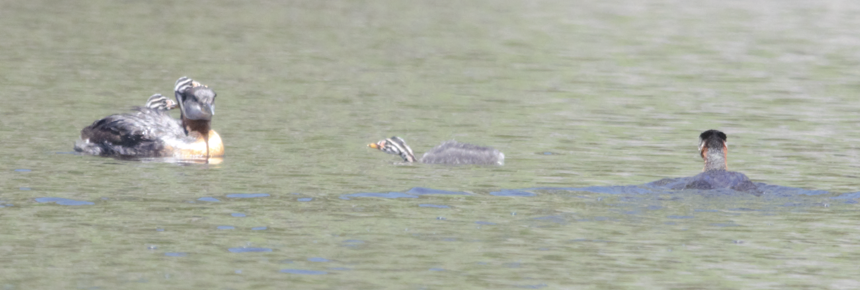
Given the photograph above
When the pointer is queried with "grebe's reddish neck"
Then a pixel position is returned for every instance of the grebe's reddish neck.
(714, 150)
(197, 106)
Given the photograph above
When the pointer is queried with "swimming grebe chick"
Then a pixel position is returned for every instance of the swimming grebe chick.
(449, 152)
(150, 131)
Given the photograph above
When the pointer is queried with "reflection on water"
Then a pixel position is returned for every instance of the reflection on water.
(303, 272)
(249, 250)
(63, 201)
(411, 193)
(590, 101)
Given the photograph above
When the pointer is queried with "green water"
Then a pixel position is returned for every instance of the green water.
(575, 93)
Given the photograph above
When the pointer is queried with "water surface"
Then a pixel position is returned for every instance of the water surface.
(588, 100)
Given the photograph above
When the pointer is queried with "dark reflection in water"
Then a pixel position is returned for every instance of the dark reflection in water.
(678, 186)
(411, 193)
(526, 286)
(680, 216)
(433, 205)
(63, 201)
(352, 243)
(511, 192)
(661, 187)
(247, 195)
(249, 250)
(849, 198)
(303, 272)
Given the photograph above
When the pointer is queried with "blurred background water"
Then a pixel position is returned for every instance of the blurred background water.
(575, 93)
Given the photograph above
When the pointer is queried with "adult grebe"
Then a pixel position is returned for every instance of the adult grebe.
(449, 152)
(150, 131)
(714, 151)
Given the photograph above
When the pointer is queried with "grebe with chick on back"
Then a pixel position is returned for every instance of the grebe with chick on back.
(150, 131)
(449, 152)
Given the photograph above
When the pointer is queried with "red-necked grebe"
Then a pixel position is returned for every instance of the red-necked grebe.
(150, 131)
(449, 152)
(714, 150)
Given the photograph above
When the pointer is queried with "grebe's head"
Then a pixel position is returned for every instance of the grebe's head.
(159, 102)
(197, 104)
(714, 149)
(196, 101)
(394, 145)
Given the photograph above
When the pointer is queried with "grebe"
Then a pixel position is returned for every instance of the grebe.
(149, 131)
(449, 152)
(159, 102)
(714, 151)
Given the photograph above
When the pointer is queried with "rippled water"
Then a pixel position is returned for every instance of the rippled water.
(589, 102)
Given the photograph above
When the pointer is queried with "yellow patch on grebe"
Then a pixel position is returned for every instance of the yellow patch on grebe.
(197, 150)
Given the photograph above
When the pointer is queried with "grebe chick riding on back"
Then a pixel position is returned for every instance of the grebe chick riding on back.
(449, 152)
(150, 131)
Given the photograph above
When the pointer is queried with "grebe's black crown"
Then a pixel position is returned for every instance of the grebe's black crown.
(712, 133)
(197, 102)
(712, 139)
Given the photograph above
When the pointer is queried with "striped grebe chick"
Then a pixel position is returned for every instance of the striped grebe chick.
(159, 102)
(149, 131)
(449, 152)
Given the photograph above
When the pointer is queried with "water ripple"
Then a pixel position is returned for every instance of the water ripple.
(63, 201)
(433, 205)
(249, 250)
(303, 272)
(411, 193)
(247, 195)
(512, 192)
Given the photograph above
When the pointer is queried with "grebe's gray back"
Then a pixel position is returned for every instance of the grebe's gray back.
(449, 152)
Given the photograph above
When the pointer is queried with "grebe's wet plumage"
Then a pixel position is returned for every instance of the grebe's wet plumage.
(449, 152)
(714, 150)
(150, 131)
